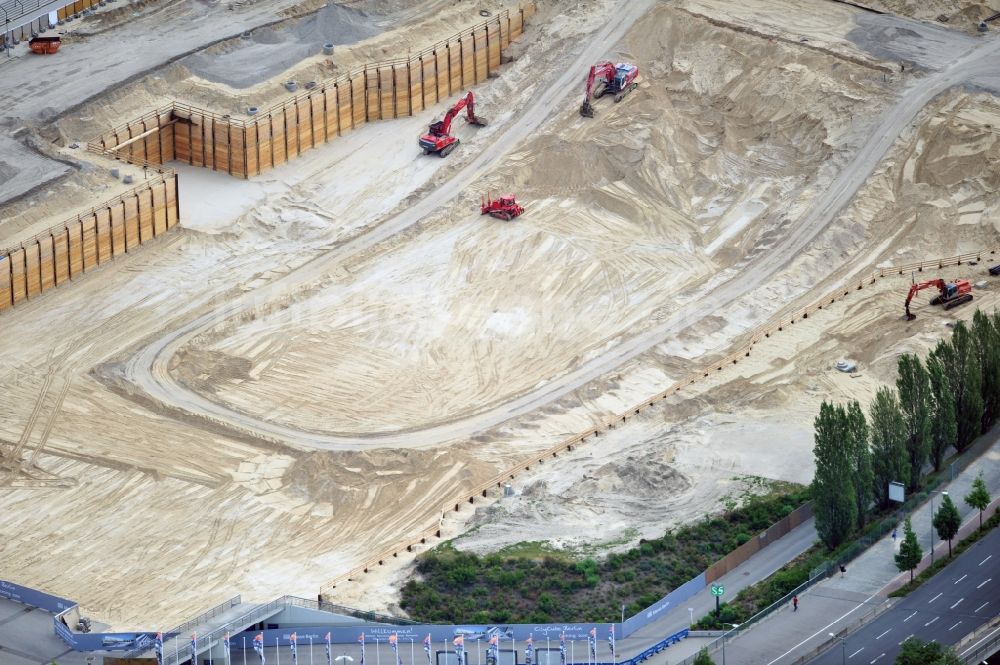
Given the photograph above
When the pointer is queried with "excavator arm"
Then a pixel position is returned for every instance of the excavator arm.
(604, 70)
(443, 127)
(916, 288)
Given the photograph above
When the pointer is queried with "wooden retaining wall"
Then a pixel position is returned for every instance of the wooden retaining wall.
(393, 89)
(81, 244)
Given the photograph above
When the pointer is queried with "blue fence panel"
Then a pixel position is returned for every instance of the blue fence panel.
(673, 599)
(33, 597)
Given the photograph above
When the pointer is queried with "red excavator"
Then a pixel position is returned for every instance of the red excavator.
(618, 80)
(439, 139)
(504, 207)
(951, 294)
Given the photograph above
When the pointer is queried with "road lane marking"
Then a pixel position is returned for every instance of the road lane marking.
(982, 606)
(931, 621)
(955, 626)
(882, 635)
(909, 617)
(986, 559)
(824, 629)
(935, 598)
(876, 658)
(982, 584)
(960, 579)
(956, 603)
(856, 652)
(905, 638)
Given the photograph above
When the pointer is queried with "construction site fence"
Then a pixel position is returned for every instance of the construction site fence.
(16, 15)
(88, 240)
(981, 644)
(245, 147)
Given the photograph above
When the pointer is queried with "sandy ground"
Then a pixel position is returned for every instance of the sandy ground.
(737, 131)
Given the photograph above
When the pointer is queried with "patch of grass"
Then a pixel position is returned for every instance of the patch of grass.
(531, 583)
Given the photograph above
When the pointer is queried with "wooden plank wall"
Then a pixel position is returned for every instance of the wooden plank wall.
(155, 146)
(377, 92)
(87, 241)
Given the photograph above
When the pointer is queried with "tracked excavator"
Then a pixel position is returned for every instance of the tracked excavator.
(606, 78)
(438, 137)
(950, 294)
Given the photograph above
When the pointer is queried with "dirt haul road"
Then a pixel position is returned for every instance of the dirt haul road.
(148, 369)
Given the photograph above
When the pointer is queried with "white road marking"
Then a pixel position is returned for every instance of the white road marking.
(856, 652)
(986, 559)
(960, 579)
(982, 584)
(909, 617)
(876, 658)
(955, 626)
(982, 606)
(956, 603)
(823, 629)
(934, 598)
(931, 621)
(882, 635)
(905, 638)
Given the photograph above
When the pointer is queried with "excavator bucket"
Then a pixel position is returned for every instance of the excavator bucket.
(587, 109)
(478, 121)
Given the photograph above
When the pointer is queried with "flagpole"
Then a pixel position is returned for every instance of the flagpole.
(310, 650)
(378, 656)
(546, 649)
(244, 650)
(479, 653)
(277, 650)
(572, 652)
(411, 652)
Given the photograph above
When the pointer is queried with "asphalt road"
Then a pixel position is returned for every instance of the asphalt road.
(967, 61)
(955, 602)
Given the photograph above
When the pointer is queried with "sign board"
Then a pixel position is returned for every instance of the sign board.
(718, 589)
(897, 492)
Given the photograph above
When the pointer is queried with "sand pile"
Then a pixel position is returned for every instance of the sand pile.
(961, 14)
(626, 212)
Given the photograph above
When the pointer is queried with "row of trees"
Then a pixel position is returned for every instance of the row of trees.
(946, 402)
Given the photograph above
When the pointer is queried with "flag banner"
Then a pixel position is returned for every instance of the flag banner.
(529, 651)
(293, 644)
(258, 646)
(361, 641)
(611, 641)
(194, 647)
(329, 651)
(427, 648)
(562, 648)
(226, 643)
(459, 643)
(158, 647)
(592, 640)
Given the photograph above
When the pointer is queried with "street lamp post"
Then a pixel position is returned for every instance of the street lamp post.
(734, 625)
(942, 493)
(843, 643)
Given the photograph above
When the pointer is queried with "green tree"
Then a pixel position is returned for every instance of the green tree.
(914, 388)
(962, 369)
(860, 458)
(917, 652)
(947, 520)
(944, 429)
(987, 344)
(909, 554)
(834, 502)
(979, 496)
(703, 658)
(888, 450)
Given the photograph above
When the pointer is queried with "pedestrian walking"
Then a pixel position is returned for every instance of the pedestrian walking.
(795, 603)
(843, 570)
(893, 535)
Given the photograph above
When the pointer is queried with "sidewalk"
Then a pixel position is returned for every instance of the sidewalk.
(841, 601)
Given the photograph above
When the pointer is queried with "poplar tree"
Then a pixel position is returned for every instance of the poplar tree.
(987, 346)
(888, 449)
(834, 498)
(914, 388)
(944, 430)
(860, 459)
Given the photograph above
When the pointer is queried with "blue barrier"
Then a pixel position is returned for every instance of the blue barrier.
(34, 598)
(668, 602)
(380, 632)
(102, 641)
